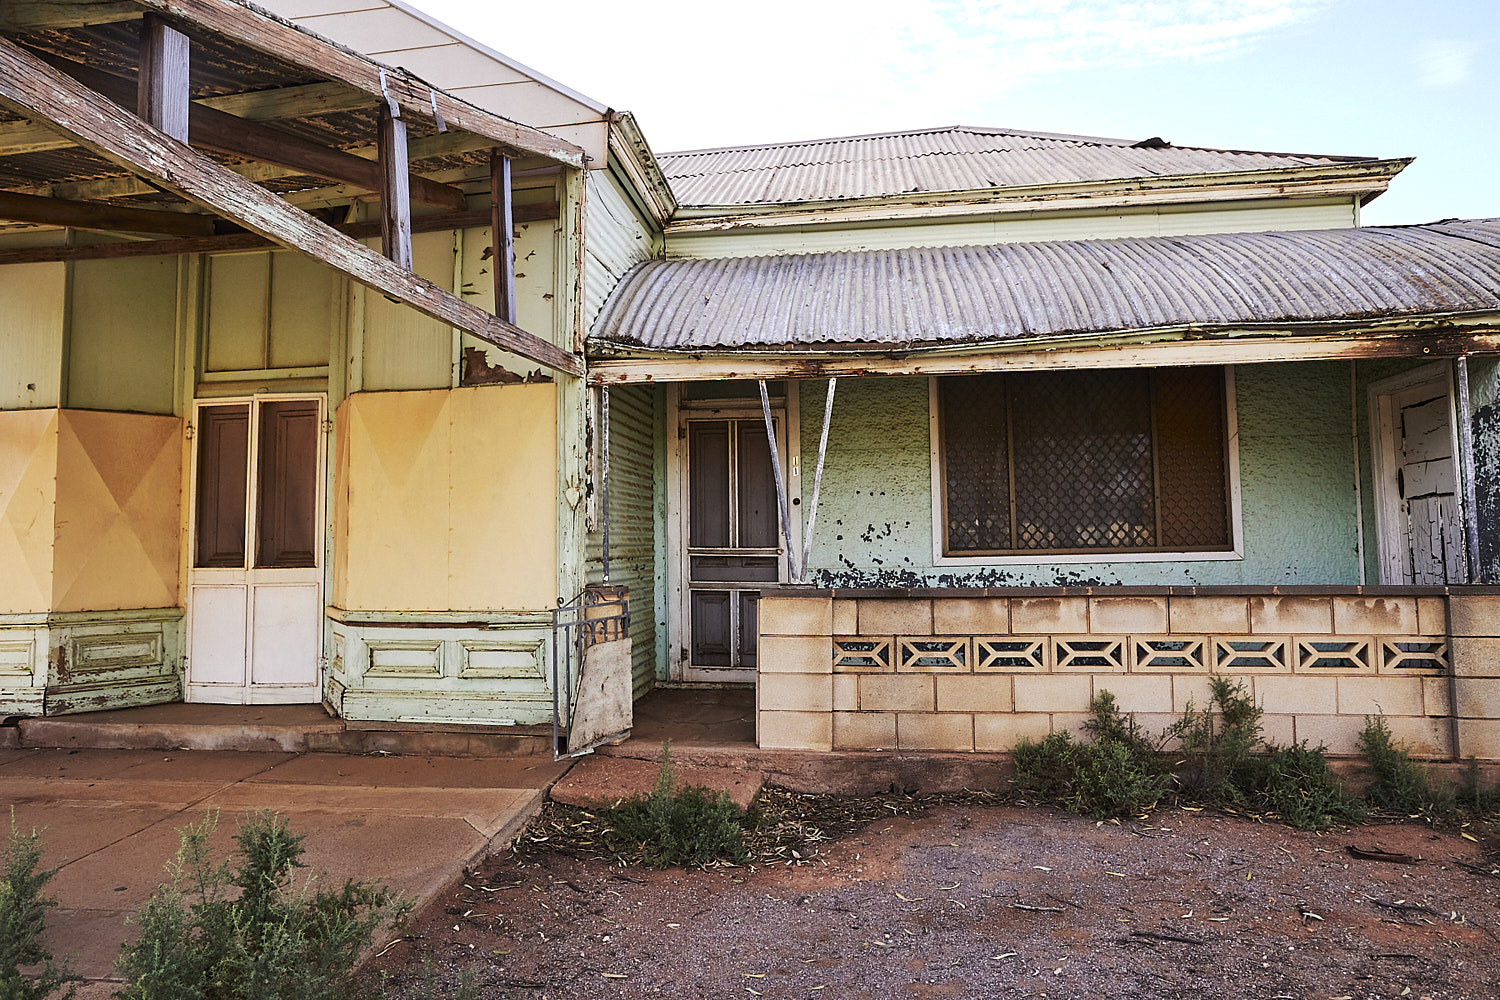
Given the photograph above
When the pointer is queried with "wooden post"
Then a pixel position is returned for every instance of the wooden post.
(503, 237)
(395, 193)
(162, 96)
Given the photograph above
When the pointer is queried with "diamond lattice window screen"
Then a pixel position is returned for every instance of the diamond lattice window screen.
(1089, 461)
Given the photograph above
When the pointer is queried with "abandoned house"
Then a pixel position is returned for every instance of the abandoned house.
(344, 360)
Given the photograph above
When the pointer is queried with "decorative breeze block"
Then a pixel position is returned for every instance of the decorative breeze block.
(1089, 652)
(860, 653)
(1335, 653)
(1170, 652)
(1425, 654)
(1005, 653)
(935, 653)
(1234, 653)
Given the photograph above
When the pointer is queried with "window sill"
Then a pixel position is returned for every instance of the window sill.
(1043, 559)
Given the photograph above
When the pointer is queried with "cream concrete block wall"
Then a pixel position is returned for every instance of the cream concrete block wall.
(444, 500)
(1475, 624)
(959, 671)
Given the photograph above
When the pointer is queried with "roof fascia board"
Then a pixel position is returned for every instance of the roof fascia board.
(639, 169)
(265, 32)
(36, 90)
(1365, 179)
(1430, 335)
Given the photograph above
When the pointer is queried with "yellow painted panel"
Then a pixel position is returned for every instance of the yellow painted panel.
(119, 486)
(503, 549)
(445, 500)
(28, 501)
(31, 335)
(306, 299)
(238, 285)
(402, 348)
(123, 334)
(397, 534)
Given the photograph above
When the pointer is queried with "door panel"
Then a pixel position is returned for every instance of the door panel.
(255, 631)
(734, 542)
(216, 645)
(286, 620)
(223, 465)
(286, 520)
(1418, 507)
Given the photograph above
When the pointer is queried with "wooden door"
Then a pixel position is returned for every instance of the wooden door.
(1422, 524)
(733, 543)
(255, 590)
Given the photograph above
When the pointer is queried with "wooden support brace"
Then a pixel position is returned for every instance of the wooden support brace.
(32, 15)
(502, 237)
(395, 196)
(35, 90)
(162, 87)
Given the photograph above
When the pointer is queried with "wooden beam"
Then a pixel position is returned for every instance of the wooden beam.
(307, 100)
(395, 197)
(235, 242)
(36, 90)
(225, 133)
(1418, 337)
(502, 236)
(161, 96)
(106, 218)
(255, 28)
(35, 15)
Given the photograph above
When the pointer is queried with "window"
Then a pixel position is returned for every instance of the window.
(1119, 461)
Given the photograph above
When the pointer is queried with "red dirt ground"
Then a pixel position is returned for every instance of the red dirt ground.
(986, 901)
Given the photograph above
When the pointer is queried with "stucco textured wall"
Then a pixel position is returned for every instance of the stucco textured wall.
(1296, 475)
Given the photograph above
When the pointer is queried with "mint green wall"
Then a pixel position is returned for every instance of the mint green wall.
(1296, 479)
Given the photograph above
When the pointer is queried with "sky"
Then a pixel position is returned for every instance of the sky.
(1387, 78)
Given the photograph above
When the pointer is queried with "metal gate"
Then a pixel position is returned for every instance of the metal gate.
(591, 680)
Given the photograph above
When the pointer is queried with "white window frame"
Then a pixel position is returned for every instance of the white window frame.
(1236, 522)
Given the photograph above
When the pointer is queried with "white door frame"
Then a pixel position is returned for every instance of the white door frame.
(788, 443)
(247, 692)
(1391, 530)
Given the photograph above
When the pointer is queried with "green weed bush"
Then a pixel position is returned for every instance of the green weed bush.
(1295, 783)
(687, 825)
(23, 915)
(1219, 743)
(1400, 783)
(276, 939)
(1120, 773)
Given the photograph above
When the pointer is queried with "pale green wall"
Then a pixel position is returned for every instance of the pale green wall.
(122, 329)
(1296, 478)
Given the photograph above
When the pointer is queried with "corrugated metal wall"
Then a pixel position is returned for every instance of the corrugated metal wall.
(617, 241)
(632, 522)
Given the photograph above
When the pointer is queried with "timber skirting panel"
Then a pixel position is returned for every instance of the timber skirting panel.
(979, 673)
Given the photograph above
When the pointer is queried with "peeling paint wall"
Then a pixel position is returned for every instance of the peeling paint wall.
(31, 330)
(446, 500)
(1296, 477)
(1484, 421)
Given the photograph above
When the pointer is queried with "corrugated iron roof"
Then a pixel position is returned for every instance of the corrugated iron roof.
(967, 295)
(959, 158)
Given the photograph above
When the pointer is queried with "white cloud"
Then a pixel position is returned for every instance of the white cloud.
(701, 73)
(1445, 62)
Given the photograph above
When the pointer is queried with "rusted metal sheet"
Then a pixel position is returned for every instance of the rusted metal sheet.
(946, 159)
(950, 296)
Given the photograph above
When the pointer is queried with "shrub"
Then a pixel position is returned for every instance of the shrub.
(277, 939)
(1400, 783)
(1219, 743)
(1477, 798)
(23, 914)
(1118, 774)
(687, 825)
(1295, 783)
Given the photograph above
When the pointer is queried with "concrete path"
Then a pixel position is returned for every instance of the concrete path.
(110, 818)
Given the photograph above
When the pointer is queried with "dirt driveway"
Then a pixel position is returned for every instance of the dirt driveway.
(989, 901)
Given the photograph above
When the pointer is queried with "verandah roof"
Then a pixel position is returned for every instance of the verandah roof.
(953, 297)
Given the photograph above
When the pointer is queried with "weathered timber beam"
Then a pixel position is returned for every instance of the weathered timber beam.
(36, 90)
(105, 218)
(35, 15)
(502, 236)
(1356, 341)
(235, 242)
(257, 105)
(263, 32)
(225, 133)
(162, 96)
(395, 196)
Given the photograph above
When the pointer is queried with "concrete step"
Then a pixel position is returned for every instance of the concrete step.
(287, 728)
